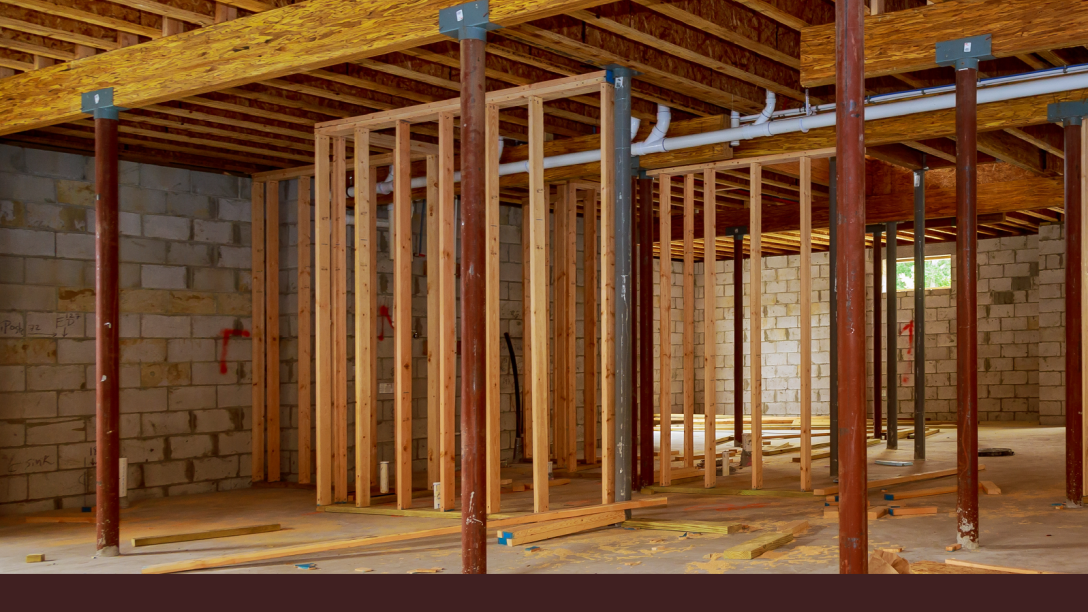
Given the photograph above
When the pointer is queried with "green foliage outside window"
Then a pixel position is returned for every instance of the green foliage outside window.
(938, 274)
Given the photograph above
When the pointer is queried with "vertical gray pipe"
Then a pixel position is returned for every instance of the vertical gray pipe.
(624, 303)
(920, 313)
(834, 409)
(893, 340)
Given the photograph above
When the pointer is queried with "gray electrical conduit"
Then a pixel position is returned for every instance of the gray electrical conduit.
(1033, 84)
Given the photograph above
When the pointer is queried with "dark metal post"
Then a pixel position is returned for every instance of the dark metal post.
(469, 24)
(637, 433)
(738, 338)
(624, 210)
(876, 335)
(1071, 115)
(920, 314)
(107, 305)
(833, 410)
(646, 332)
(850, 236)
(965, 54)
(893, 340)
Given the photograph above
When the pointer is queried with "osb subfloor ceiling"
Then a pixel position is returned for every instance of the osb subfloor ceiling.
(1019, 528)
(702, 58)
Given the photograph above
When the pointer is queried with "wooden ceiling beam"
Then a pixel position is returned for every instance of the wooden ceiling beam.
(8, 42)
(1047, 137)
(48, 32)
(903, 41)
(167, 10)
(61, 10)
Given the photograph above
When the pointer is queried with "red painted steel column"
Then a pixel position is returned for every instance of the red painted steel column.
(850, 235)
(646, 331)
(738, 339)
(473, 310)
(107, 305)
(966, 309)
(1074, 399)
(877, 382)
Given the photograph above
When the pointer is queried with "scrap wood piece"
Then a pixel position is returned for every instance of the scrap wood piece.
(933, 567)
(989, 487)
(349, 543)
(953, 547)
(556, 529)
(722, 491)
(892, 549)
(887, 482)
(685, 526)
(921, 493)
(794, 528)
(758, 545)
(205, 535)
(876, 512)
(427, 570)
(998, 568)
(915, 511)
(885, 562)
(61, 518)
(35, 558)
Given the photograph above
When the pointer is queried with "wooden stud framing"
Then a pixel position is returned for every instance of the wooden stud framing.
(366, 375)
(322, 319)
(665, 311)
(305, 316)
(755, 329)
(806, 324)
(272, 327)
(447, 358)
(492, 322)
(538, 209)
(434, 342)
(257, 282)
(563, 337)
(569, 378)
(710, 306)
(526, 332)
(689, 320)
(402, 317)
(590, 314)
(608, 296)
(340, 318)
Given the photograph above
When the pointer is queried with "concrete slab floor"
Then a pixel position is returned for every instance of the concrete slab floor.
(1020, 527)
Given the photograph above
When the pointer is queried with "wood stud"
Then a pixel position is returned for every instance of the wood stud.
(710, 313)
(665, 313)
(755, 329)
(366, 312)
(402, 318)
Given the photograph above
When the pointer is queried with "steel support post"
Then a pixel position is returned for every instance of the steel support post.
(738, 336)
(850, 238)
(833, 258)
(107, 304)
(893, 339)
(624, 211)
(646, 330)
(637, 433)
(1071, 115)
(469, 23)
(919, 314)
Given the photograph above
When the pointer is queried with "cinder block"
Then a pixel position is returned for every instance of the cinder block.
(55, 217)
(143, 201)
(185, 254)
(193, 398)
(232, 209)
(229, 396)
(12, 378)
(169, 228)
(215, 468)
(65, 431)
(234, 443)
(159, 326)
(220, 232)
(210, 374)
(184, 447)
(27, 242)
(12, 434)
(75, 246)
(143, 400)
(192, 302)
(59, 272)
(57, 484)
(213, 326)
(76, 403)
(191, 350)
(142, 250)
(12, 159)
(75, 192)
(214, 279)
(52, 163)
(137, 350)
(208, 421)
(24, 188)
(219, 185)
(129, 224)
(164, 374)
(163, 178)
(143, 451)
(165, 473)
(13, 489)
(195, 488)
(189, 205)
(162, 277)
(235, 257)
(55, 377)
(29, 405)
(145, 301)
(165, 423)
(29, 460)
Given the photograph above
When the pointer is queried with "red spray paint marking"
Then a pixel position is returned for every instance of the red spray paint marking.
(383, 312)
(227, 333)
(909, 327)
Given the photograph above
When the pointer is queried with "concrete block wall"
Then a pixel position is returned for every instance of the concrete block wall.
(185, 259)
(1052, 324)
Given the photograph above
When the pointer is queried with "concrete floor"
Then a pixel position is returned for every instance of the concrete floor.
(1019, 528)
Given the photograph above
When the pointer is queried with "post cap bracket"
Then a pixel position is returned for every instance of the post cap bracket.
(100, 104)
(965, 52)
(471, 20)
(1067, 113)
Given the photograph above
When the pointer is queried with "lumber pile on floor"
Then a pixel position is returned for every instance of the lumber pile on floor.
(350, 543)
(526, 534)
(204, 535)
(757, 546)
(685, 526)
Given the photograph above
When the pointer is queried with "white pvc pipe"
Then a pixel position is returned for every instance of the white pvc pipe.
(1011, 88)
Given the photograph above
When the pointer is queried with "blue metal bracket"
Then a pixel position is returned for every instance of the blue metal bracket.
(100, 104)
(965, 52)
(1067, 113)
(471, 20)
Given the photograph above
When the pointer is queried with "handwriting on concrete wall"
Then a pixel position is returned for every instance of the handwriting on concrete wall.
(55, 324)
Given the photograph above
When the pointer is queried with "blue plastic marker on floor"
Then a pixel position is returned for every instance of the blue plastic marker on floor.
(305, 566)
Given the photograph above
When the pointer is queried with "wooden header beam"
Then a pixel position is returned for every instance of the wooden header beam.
(503, 98)
(266, 45)
(904, 41)
(775, 158)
